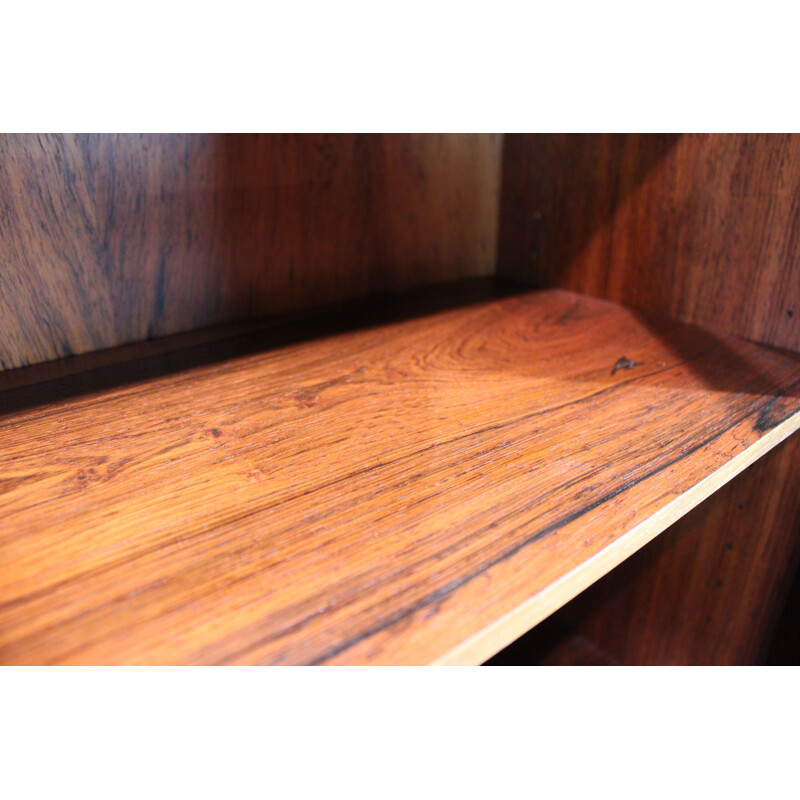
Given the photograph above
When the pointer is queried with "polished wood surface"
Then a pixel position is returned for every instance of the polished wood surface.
(414, 492)
(702, 227)
(110, 239)
(711, 588)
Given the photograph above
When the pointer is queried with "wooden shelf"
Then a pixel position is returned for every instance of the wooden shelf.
(420, 491)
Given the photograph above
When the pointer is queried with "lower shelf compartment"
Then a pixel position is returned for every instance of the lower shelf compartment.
(553, 644)
(420, 491)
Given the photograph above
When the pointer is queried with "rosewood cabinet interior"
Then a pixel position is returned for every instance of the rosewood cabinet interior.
(399, 399)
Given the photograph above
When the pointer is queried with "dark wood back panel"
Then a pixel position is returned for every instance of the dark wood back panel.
(702, 227)
(109, 239)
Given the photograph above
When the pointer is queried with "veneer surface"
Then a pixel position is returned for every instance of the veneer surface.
(419, 491)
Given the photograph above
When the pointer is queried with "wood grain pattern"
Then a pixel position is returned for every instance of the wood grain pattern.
(711, 588)
(416, 492)
(702, 227)
(110, 239)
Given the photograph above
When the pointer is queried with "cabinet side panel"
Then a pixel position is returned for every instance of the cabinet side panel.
(702, 227)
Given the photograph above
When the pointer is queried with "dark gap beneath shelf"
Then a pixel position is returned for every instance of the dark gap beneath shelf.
(552, 643)
(784, 649)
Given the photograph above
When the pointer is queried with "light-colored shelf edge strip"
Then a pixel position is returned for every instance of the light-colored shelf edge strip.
(509, 627)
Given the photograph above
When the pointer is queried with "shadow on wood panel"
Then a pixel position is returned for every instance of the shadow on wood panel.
(736, 371)
(557, 193)
(570, 217)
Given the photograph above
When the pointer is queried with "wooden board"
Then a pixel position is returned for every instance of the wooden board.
(110, 239)
(702, 227)
(416, 492)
